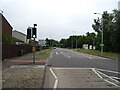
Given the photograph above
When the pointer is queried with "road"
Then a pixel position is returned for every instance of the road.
(69, 65)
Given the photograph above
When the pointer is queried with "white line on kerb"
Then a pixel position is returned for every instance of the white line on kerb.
(56, 79)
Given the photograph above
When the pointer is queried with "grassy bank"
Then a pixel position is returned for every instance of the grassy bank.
(44, 53)
(98, 53)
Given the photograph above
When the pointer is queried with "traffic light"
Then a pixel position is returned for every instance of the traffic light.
(28, 33)
(34, 33)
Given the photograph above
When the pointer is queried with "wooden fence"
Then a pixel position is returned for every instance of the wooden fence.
(9, 50)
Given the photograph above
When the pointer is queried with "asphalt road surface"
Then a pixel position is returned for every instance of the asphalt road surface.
(69, 69)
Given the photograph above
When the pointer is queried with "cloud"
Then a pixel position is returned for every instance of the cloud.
(57, 17)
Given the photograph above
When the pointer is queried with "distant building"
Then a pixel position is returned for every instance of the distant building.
(119, 5)
(42, 42)
(19, 37)
(85, 46)
(5, 27)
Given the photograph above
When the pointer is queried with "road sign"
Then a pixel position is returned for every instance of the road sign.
(101, 45)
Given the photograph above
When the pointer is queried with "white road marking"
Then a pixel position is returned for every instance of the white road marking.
(90, 58)
(68, 68)
(114, 77)
(107, 76)
(56, 79)
(55, 84)
(61, 52)
(108, 71)
(26, 66)
(68, 56)
(105, 79)
(51, 55)
(53, 73)
(57, 53)
(111, 83)
(96, 73)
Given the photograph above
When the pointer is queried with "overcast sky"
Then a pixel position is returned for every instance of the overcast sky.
(56, 19)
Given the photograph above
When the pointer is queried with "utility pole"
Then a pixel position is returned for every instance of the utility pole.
(102, 38)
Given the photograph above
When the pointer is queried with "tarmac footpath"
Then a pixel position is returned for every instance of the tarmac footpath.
(21, 72)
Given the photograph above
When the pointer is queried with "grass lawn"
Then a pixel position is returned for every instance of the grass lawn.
(44, 53)
(98, 53)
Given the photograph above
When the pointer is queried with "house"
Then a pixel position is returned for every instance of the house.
(19, 37)
(5, 27)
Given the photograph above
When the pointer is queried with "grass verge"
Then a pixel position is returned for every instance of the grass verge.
(98, 53)
(44, 54)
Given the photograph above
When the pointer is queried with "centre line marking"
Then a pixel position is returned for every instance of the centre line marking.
(61, 52)
(57, 53)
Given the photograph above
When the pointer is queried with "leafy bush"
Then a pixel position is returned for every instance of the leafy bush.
(8, 40)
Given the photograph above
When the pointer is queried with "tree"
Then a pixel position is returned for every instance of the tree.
(51, 42)
(106, 26)
(116, 31)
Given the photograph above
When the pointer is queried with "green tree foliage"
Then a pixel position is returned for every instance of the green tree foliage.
(110, 24)
(116, 31)
(89, 38)
(51, 42)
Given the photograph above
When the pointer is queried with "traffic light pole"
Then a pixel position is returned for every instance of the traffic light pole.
(34, 52)
(33, 31)
(34, 47)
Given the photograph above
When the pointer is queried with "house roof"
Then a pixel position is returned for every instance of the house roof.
(19, 32)
(6, 20)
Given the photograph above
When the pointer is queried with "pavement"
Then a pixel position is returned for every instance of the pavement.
(21, 72)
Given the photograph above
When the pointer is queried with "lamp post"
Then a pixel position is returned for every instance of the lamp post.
(101, 33)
